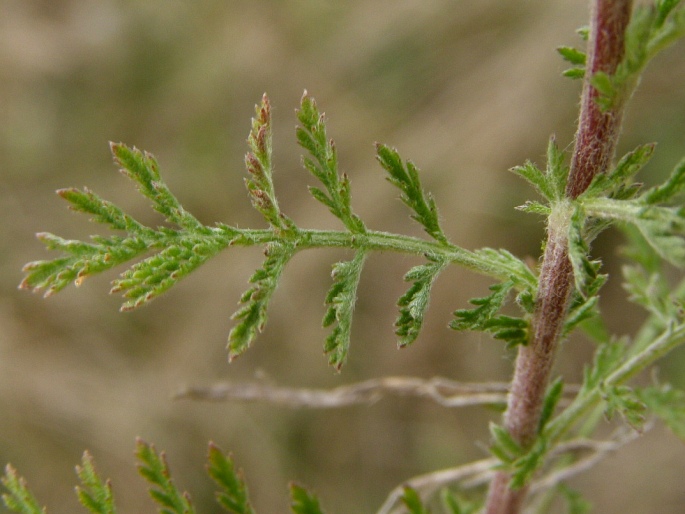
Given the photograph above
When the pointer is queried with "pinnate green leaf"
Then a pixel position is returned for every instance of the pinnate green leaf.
(484, 317)
(142, 168)
(607, 356)
(259, 166)
(586, 274)
(151, 277)
(624, 401)
(406, 178)
(102, 210)
(323, 164)
(18, 497)
(252, 315)
(618, 182)
(414, 303)
(233, 495)
(674, 185)
(154, 468)
(83, 260)
(551, 183)
(94, 493)
(341, 299)
(668, 403)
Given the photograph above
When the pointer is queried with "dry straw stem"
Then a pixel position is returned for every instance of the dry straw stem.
(444, 392)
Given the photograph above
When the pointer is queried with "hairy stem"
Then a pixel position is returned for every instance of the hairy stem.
(594, 149)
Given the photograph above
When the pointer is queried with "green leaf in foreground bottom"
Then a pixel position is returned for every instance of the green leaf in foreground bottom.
(233, 496)
(94, 494)
(154, 468)
(303, 502)
(19, 498)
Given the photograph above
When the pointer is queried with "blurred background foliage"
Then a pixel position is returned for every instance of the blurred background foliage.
(465, 89)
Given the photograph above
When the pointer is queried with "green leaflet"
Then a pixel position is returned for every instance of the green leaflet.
(668, 403)
(574, 500)
(142, 168)
(412, 501)
(154, 468)
(406, 178)
(341, 299)
(259, 182)
(607, 357)
(483, 318)
(624, 401)
(414, 303)
(233, 495)
(323, 164)
(153, 276)
(521, 463)
(575, 57)
(586, 274)
(618, 183)
(652, 28)
(94, 493)
(19, 498)
(303, 502)
(454, 504)
(552, 397)
(551, 183)
(252, 316)
(180, 251)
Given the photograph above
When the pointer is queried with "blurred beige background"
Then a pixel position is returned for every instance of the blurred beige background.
(465, 89)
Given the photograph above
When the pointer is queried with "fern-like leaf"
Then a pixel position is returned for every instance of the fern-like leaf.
(142, 168)
(253, 315)
(154, 468)
(180, 250)
(18, 498)
(406, 178)
(513, 331)
(94, 494)
(668, 403)
(233, 496)
(323, 164)
(258, 162)
(414, 303)
(341, 299)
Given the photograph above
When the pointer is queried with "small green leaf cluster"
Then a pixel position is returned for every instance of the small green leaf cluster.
(484, 317)
(522, 463)
(95, 494)
(652, 28)
(575, 57)
(451, 503)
